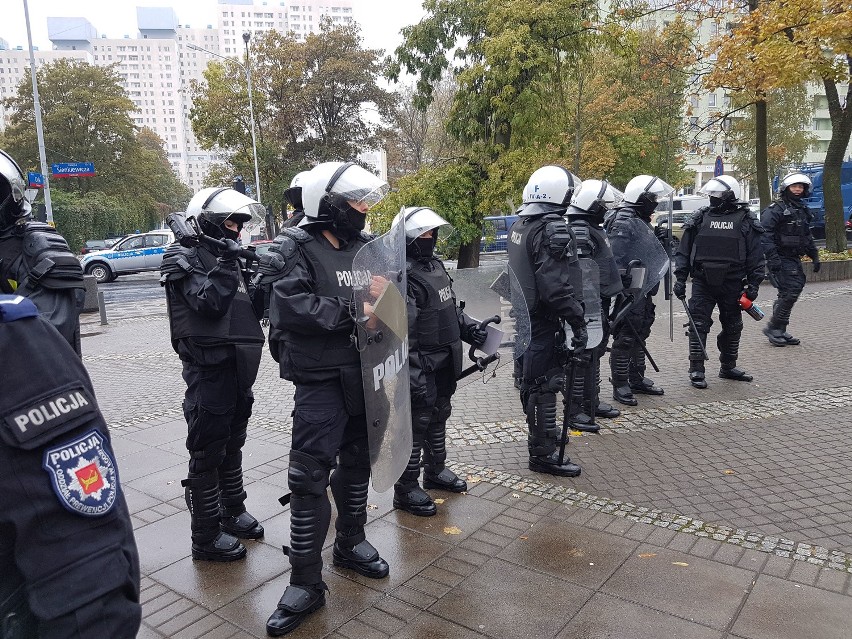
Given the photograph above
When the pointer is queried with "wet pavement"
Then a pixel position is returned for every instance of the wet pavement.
(722, 513)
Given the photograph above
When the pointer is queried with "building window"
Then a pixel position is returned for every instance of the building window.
(711, 100)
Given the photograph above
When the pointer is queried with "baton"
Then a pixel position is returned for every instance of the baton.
(642, 344)
(566, 417)
(694, 328)
(480, 363)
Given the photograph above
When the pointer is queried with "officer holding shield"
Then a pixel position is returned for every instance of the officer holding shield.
(313, 318)
(69, 568)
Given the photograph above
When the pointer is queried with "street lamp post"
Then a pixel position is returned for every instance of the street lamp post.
(247, 69)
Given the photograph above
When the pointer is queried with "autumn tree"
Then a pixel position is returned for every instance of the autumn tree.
(311, 100)
(784, 44)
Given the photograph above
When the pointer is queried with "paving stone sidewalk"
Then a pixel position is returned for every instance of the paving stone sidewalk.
(724, 513)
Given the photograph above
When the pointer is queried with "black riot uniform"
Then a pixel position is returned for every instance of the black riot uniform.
(69, 568)
(435, 333)
(721, 249)
(593, 243)
(787, 225)
(627, 359)
(35, 260)
(543, 255)
(217, 335)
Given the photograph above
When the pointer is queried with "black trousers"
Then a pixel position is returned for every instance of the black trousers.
(727, 297)
(789, 280)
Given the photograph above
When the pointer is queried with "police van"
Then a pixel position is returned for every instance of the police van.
(495, 230)
(133, 254)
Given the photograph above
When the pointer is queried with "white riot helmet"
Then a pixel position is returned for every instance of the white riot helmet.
(723, 188)
(214, 205)
(418, 220)
(549, 190)
(796, 178)
(293, 195)
(332, 188)
(13, 203)
(646, 191)
(594, 199)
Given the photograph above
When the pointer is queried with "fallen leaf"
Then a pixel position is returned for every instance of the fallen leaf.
(452, 530)
(646, 555)
(371, 507)
(729, 472)
(524, 537)
(679, 563)
(516, 495)
(576, 433)
(439, 501)
(473, 479)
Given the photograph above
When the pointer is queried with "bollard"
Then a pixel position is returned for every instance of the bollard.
(102, 308)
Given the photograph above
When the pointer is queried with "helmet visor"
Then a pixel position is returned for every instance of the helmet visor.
(715, 188)
(418, 220)
(360, 187)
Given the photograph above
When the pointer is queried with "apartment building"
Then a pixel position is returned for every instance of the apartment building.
(157, 65)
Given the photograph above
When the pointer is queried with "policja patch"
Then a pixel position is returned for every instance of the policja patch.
(83, 475)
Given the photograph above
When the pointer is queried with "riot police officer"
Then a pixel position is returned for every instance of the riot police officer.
(543, 255)
(589, 206)
(35, 260)
(436, 328)
(293, 197)
(629, 231)
(721, 249)
(787, 225)
(69, 568)
(216, 333)
(312, 319)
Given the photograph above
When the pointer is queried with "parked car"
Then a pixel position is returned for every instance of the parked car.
(132, 254)
(682, 207)
(94, 245)
(495, 230)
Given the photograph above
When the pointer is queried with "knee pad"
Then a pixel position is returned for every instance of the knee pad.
(624, 341)
(205, 460)
(307, 475)
(443, 409)
(355, 455)
(238, 439)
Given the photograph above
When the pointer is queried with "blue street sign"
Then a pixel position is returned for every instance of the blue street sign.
(72, 169)
(719, 167)
(35, 180)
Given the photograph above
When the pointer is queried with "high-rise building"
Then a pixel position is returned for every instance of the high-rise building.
(158, 65)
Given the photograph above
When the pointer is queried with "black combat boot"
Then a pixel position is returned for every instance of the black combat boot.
(350, 485)
(696, 359)
(638, 382)
(232, 497)
(602, 409)
(776, 330)
(550, 464)
(295, 605)
(619, 361)
(729, 348)
(435, 472)
(582, 414)
(544, 433)
(407, 493)
(209, 542)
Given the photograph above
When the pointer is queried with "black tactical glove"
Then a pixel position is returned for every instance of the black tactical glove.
(679, 290)
(626, 280)
(231, 251)
(751, 292)
(817, 263)
(476, 335)
(580, 338)
(662, 232)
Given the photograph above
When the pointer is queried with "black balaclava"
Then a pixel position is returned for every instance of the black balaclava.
(346, 222)
(794, 199)
(231, 235)
(10, 211)
(647, 204)
(422, 248)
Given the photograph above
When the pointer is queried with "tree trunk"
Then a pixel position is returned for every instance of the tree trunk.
(841, 130)
(761, 155)
(469, 255)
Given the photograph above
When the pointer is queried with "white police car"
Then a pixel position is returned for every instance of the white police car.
(132, 254)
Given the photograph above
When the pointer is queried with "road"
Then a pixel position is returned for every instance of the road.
(134, 296)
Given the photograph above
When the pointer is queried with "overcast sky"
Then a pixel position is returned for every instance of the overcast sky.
(380, 20)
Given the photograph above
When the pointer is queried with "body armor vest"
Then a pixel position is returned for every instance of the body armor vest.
(334, 277)
(438, 321)
(592, 242)
(239, 324)
(521, 254)
(719, 246)
(793, 229)
(34, 255)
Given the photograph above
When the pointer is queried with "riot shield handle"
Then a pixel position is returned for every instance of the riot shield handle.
(480, 363)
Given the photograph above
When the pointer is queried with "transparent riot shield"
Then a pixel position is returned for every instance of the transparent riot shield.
(592, 301)
(491, 295)
(640, 255)
(379, 288)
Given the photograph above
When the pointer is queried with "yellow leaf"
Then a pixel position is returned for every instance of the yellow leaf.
(646, 555)
(439, 501)
(524, 537)
(452, 530)
(679, 563)
(473, 479)
(729, 472)
(371, 506)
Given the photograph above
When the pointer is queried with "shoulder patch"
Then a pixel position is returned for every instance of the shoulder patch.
(31, 421)
(83, 474)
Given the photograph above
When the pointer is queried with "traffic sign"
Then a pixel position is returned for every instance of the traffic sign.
(35, 180)
(719, 167)
(72, 169)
